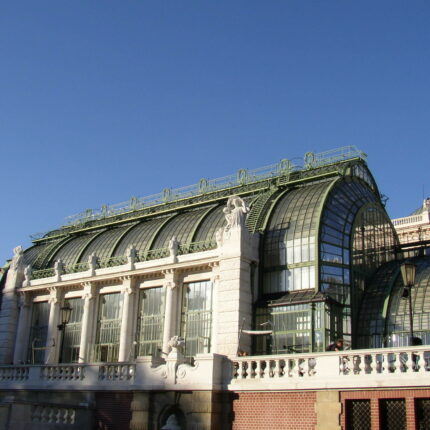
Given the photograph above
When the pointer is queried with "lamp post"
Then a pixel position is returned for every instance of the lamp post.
(65, 312)
(408, 270)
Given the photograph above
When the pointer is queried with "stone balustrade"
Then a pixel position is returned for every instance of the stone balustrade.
(62, 372)
(347, 369)
(117, 372)
(394, 367)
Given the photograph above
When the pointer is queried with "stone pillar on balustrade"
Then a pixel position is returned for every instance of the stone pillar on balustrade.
(171, 310)
(9, 306)
(54, 336)
(126, 352)
(87, 329)
(238, 253)
(22, 332)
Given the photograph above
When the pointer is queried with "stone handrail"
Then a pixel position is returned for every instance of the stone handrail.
(413, 219)
(396, 367)
(62, 372)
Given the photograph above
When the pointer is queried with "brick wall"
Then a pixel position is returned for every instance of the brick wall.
(376, 395)
(112, 411)
(275, 410)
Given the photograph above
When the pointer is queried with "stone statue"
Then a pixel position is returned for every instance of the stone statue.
(17, 259)
(27, 275)
(92, 260)
(131, 254)
(235, 212)
(177, 343)
(58, 267)
(173, 246)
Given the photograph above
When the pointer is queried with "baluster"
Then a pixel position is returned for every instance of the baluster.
(72, 414)
(305, 368)
(398, 363)
(250, 370)
(356, 363)
(294, 367)
(421, 362)
(277, 371)
(235, 369)
(51, 415)
(385, 363)
(242, 370)
(57, 416)
(258, 369)
(409, 363)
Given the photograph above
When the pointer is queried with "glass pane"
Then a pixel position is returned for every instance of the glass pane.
(150, 324)
(38, 332)
(72, 332)
(197, 317)
(106, 347)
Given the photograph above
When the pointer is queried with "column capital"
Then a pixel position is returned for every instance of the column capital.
(24, 299)
(54, 295)
(171, 284)
(89, 290)
(128, 284)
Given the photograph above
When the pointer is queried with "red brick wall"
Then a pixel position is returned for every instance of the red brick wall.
(375, 395)
(112, 411)
(275, 410)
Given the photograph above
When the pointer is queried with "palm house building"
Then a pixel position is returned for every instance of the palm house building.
(212, 307)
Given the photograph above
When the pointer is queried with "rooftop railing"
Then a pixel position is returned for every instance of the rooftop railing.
(204, 186)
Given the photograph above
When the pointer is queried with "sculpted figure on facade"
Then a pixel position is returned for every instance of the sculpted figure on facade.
(235, 212)
(92, 261)
(18, 258)
(131, 254)
(58, 267)
(177, 343)
(173, 246)
(27, 275)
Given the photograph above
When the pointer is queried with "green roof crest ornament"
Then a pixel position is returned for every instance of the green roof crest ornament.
(283, 169)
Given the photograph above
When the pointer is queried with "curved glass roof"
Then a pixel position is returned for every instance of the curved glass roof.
(140, 235)
(69, 252)
(289, 240)
(181, 226)
(384, 315)
(199, 224)
(290, 221)
(214, 220)
(103, 244)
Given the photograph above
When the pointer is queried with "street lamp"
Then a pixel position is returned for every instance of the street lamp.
(408, 270)
(65, 313)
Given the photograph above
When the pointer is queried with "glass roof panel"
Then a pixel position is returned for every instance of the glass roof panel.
(102, 245)
(71, 250)
(180, 226)
(139, 236)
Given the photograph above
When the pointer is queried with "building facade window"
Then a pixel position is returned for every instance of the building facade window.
(72, 332)
(150, 321)
(106, 347)
(196, 324)
(296, 329)
(38, 333)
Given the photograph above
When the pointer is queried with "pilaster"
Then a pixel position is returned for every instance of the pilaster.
(170, 312)
(9, 307)
(125, 340)
(22, 332)
(87, 329)
(52, 339)
(234, 297)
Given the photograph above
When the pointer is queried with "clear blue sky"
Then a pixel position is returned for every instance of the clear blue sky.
(103, 100)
